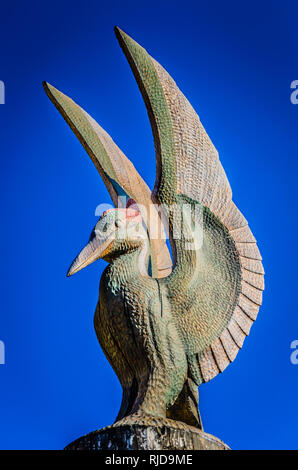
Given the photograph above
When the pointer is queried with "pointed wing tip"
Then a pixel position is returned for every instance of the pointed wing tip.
(120, 35)
(127, 43)
(45, 86)
(55, 95)
(49, 89)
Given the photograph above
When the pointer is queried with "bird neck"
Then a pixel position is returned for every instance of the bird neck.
(127, 266)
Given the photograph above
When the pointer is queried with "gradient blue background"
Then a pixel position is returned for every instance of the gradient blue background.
(235, 63)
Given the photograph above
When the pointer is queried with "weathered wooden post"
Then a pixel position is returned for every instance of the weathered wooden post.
(154, 437)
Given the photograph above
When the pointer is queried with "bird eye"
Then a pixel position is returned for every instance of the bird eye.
(105, 227)
(117, 223)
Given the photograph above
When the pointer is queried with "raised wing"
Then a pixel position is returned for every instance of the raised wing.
(118, 173)
(216, 285)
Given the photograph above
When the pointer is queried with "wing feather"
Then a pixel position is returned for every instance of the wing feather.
(220, 282)
(116, 170)
(217, 288)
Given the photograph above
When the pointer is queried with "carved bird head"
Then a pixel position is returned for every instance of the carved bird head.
(118, 231)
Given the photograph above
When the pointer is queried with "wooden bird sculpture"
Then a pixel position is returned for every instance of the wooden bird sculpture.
(167, 325)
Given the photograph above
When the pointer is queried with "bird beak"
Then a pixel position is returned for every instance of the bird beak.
(94, 250)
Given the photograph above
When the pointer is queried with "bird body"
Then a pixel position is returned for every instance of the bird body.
(137, 331)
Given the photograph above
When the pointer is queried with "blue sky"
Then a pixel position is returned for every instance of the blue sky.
(235, 63)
